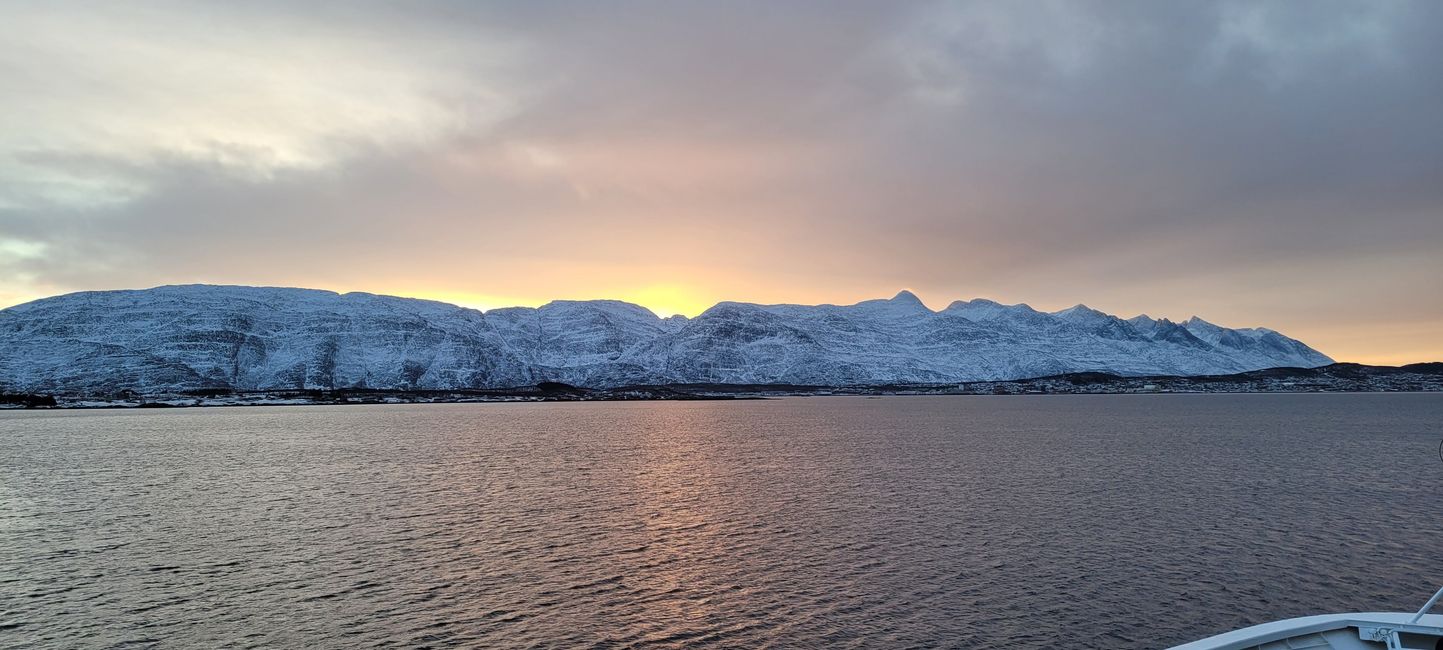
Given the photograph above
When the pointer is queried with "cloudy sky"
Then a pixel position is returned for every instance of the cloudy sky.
(1276, 164)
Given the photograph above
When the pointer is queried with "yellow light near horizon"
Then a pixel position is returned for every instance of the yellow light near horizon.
(668, 299)
(12, 298)
(663, 299)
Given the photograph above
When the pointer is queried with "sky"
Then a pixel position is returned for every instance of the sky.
(1273, 164)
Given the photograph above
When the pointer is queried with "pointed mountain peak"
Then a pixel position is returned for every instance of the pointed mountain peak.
(905, 296)
(905, 302)
(1078, 309)
(1211, 333)
(1144, 324)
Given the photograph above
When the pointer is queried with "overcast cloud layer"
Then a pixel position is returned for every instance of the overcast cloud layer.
(1275, 164)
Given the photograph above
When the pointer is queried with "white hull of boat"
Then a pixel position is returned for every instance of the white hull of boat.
(1361, 631)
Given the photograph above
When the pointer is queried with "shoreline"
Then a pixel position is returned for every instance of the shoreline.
(165, 402)
(1337, 378)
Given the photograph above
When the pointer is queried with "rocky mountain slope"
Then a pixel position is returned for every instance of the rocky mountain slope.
(197, 336)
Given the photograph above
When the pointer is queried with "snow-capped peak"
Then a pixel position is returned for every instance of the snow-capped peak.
(1144, 323)
(1080, 312)
(905, 296)
(179, 338)
(982, 309)
(905, 303)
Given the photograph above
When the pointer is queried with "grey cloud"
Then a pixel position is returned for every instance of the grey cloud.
(1030, 148)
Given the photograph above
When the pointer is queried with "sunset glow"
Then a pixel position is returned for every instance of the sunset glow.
(1094, 324)
(1258, 167)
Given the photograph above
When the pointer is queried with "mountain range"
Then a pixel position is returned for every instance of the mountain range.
(177, 338)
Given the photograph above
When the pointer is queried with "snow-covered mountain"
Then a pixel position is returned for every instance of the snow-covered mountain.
(200, 336)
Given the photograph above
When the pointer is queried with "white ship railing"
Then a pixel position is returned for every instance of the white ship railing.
(1427, 606)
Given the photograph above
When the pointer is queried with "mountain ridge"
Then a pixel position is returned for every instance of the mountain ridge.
(184, 337)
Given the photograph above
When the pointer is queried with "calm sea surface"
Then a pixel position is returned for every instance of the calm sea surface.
(1050, 521)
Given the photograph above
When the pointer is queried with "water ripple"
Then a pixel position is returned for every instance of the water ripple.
(1088, 522)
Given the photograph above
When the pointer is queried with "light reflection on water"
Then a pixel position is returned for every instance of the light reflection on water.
(1086, 521)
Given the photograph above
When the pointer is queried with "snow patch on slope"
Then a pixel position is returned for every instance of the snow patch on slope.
(199, 336)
